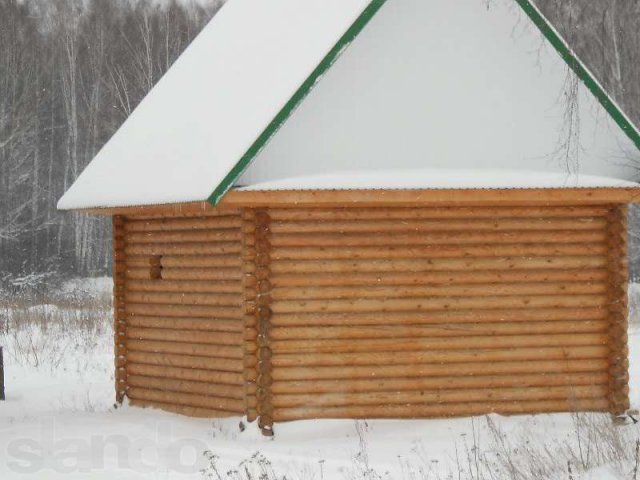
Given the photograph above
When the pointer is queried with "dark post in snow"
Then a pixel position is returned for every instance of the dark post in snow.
(1, 376)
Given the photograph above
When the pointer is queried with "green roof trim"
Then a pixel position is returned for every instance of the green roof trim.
(361, 22)
(581, 70)
(350, 35)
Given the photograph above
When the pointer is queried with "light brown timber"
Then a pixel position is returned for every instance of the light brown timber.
(190, 400)
(428, 303)
(413, 278)
(186, 361)
(404, 306)
(188, 411)
(440, 356)
(439, 251)
(619, 357)
(250, 298)
(437, 330)
(439, 344)
(445, 410)
(439, 396)
(444, 225)
(436, 317)
(232, 394)
(375, 371)
(186, 324)
(403, 291)
(120, 321)
(191, 374)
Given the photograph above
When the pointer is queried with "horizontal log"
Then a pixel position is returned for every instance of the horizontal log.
(417, 398)
(184, 236)
(201, 261)
(438, 317)
(191, 374)
(441, 356)
(421, 278)
(166, 335)
(218, 404)
(185, 361)
(187, 324)
(445, 410)
(454, 197)
(442, 238)
(168, 286)
(230, 353)
(422, 370)
(432, 344)
(439, 225)
(463, 383)
(438, 251)
(429, 303)
(182, 409)
(211, 248)
(193, 311)
(184, 261)
(435, 264)
(190, 209)
(391, 213)
(441, 330)
(207, 299)
(170, 224)
(405, 291)
(229, 394)
(217, 274)
(540, 197)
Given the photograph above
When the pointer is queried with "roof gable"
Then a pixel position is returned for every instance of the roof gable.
(415, 91)
(229, 93)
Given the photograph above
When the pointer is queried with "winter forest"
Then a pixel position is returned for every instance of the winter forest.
(71, 71)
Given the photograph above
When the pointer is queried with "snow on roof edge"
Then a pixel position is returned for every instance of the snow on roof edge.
(439, 179)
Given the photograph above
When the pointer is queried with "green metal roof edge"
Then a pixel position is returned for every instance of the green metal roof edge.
(346, 39)
(368, 13)
(583, 73)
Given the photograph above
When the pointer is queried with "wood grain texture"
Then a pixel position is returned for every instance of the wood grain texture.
(619, 278)
(250, 296)
(263, 314)
(415, 312)
(183, 304)
(120, 321)
(377, 304)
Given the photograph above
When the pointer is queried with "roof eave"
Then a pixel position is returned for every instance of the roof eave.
(539, 197)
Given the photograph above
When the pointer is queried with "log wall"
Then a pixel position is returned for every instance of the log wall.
(430, 312)
(293, 313)
(180, 294)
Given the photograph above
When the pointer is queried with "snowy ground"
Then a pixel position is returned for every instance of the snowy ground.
(59, 421)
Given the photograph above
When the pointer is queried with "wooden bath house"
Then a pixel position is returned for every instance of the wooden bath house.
(370, 209)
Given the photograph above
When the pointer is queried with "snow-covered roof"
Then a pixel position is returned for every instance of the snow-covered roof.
(259, 66)
(218, 98)
(427, 178)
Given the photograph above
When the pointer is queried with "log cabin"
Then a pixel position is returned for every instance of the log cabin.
(370, 209)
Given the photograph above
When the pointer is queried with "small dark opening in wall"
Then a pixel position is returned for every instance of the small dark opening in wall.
(155, 263)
